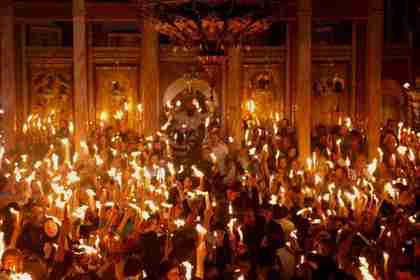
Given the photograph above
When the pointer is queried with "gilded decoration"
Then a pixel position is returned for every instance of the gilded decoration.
(330, 91)
(263, 86)
(117, 86)
(52, 90)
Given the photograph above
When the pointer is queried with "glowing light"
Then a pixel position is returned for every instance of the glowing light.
(197, 172)
(20, 276)
(188, 270)
(273, 199)
(200, 229)
(364, 269)
(250, 106)
(241, 234)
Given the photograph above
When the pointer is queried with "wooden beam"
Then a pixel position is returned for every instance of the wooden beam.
(127, 12)
(95, 12)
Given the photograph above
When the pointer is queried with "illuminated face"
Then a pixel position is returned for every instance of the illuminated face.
(231, 195)
(292, 153)
(249, 218)
(390, 142)
(37, 215)
(283, 163)
(187, 183)
(155, 160)
(50, 228)
(339, 174)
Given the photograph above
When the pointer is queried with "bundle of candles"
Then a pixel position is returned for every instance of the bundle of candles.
(104, 201)
(39, 129)
(121, 116)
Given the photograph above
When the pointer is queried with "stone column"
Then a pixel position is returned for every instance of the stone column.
(80, 60)
(91, 76)
(149, 78)
(8, 71)
(24, 69)
(353, 97)
(234, 95)
(375, 41)
(304, 78)
(414, 109)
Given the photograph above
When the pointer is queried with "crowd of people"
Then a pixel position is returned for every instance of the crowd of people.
(123, 207)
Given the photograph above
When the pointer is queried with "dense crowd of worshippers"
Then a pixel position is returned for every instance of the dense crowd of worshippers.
(124, 208)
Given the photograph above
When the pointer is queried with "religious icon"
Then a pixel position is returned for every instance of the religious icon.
(261, 93)
(326, 86)
(116, 89)
(51, 90)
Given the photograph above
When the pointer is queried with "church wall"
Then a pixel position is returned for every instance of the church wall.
(331, 66)
(396, 71)
(116, 80)
(275, 60)
(264, 79)
(49, 82)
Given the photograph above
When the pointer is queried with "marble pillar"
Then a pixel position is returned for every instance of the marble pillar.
(80, 61)
(304, 78)
(374, 50)
(91, 76)
(8, 71)
(149, 78)
(234, 95)
(414, 109)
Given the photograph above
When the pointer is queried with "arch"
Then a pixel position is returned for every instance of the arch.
(181, 84)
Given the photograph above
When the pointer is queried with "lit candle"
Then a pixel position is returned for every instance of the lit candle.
(66, 144)
(188, 270)
(386, 259)
(103, 118)
(71, 128)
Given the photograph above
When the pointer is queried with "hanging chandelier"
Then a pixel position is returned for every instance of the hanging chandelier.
(208, 25)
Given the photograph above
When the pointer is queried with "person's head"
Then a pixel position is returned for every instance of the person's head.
(360, 163)
(243, 264)
(187, 183)
(356, 141)
(284, 123)
(287, 142)
(169, 270)
(390, 142)
(37, 215)
(282, 163)
(51, 228)
(174, 274)
(340, 173)
(390, 160)
(132, 266)
(232, 194)
(12, 260)
(3, 183)
(292, 153)
(154, 159)
(249, 217)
